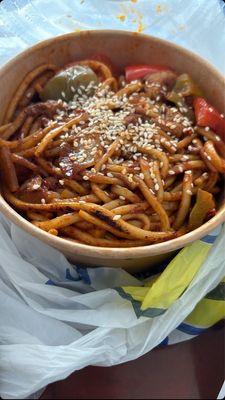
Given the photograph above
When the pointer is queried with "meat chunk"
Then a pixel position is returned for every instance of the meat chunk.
(175, 122)
(47, 109)
(32, 184)
(132, 119)
(35, 189)
(157, 84)
(164, 78)
(50, 183)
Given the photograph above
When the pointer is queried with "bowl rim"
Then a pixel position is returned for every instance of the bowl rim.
(72, 246)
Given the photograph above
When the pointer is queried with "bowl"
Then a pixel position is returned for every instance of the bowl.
(123, 48)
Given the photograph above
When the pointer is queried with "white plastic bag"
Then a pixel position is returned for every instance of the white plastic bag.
(56, 318)
(197, 25)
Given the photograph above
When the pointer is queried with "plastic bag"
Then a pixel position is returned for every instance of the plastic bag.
(57, 318)
(188, 23)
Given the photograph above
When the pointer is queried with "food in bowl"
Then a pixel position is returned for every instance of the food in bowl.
(112, 161)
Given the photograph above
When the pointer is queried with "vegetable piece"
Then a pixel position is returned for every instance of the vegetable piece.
(133, 72)
(66, 82)
(180, 102)
(207, 115)
(186, 87)
(176, 98)
(204, 204)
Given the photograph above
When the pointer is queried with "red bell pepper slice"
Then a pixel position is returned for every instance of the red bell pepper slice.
(207, 115)
(133, 72)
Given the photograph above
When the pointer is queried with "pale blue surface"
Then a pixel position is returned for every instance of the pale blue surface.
(196, 24)
(26, 364)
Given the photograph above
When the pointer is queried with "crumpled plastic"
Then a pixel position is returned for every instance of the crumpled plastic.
(56, 317)
(197, 25)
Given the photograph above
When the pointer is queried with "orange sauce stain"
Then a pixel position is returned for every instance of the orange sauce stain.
(140, 27)
(121, 17)
(135, 15)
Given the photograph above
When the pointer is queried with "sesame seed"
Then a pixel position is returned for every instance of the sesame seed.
(36, 186)
(188, 172)
(85, 178)
(188, 191)
(116, 217)
(156, 186)
(207, 128)
(68, 173)
(43, 201)
(61, 182)
(121, 197)
(141, 175)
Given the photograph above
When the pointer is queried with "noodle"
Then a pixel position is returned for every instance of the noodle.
(115, 167)
(23, 87)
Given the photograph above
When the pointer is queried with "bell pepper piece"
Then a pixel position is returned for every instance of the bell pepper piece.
(207, 115)
(204, 204)
(186, 87)
(134, 72)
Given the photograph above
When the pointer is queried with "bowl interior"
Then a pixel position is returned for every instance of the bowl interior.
(122, 48)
